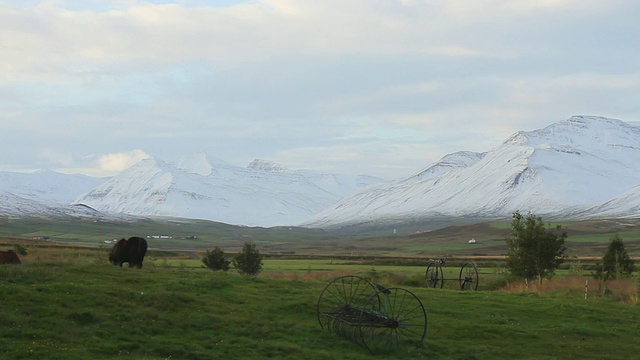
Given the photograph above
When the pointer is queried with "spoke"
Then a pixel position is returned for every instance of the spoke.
(417, 333)
(404, 303)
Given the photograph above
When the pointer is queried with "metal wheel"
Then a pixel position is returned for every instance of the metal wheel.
(342, 300)
(469, 277)
(391, 319)
(434, 276)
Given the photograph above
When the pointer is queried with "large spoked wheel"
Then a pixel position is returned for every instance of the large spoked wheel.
(434, 276)
(469, 277)
(341, 301)
(392, 318)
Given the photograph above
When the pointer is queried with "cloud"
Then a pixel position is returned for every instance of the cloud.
(117, 162)
(47, 42)
(47, 38)
(348, 85)
(97, 165)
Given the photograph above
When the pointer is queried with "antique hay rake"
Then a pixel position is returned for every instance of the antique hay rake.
(378, 318)
(468, 278)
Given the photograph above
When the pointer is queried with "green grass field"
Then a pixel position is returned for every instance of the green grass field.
(67, 302)
(80, 307)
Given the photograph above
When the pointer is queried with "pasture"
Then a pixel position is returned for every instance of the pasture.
(429, 239)
(66, 301)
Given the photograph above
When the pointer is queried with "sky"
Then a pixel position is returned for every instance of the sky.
(376, 87)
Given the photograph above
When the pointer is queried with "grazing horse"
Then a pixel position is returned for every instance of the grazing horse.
(9, 257)
(130, 251)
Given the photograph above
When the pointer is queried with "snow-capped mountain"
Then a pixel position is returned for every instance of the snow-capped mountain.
(449, 163)
(204, 187)
(12, 205)
(44, 193)
(582, 167)
(47, 186)
(625, 205)
(558, 171)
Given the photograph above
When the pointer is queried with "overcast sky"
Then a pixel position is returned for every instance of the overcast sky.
(376, 87)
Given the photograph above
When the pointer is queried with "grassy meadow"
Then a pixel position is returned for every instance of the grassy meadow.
(68, 302)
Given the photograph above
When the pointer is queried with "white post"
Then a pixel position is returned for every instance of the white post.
(586, 288)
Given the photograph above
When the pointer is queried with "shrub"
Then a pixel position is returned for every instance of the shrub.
(249, 261)
(216, 260)
(616, 262)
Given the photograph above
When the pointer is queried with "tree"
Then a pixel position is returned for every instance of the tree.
(534, 251)
(216, 260)
(616, 262)
(249, 261)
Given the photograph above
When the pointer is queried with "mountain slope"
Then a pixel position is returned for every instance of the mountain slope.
(625, 205)
(554, 171)
(47, 185)
(12, 205)
(201, 186)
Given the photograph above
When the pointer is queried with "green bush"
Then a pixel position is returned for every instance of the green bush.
(216, 260)
(249, 261)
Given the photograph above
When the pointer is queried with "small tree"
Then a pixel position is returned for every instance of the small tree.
(249, 261)
(616, 262)
(534, 251)
(216, 260)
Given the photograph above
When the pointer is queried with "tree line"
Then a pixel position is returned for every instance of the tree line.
(536, 251)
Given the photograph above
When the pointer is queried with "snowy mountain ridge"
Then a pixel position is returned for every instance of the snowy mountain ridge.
(197, 186)
(582, 167)
(44, 193)
(204, 187)
(47, 185)
(571, 168)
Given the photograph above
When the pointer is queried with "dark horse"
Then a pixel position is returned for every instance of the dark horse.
(130, 251)
(9, 257)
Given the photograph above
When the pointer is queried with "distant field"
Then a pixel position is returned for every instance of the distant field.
(424, 241)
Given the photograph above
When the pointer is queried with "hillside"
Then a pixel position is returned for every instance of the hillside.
(558, 172)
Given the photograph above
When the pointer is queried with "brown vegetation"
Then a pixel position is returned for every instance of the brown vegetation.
(622, 290)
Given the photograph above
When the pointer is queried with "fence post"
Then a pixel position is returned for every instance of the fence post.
(586, 288)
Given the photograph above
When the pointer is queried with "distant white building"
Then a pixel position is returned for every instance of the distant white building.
(473, 241)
